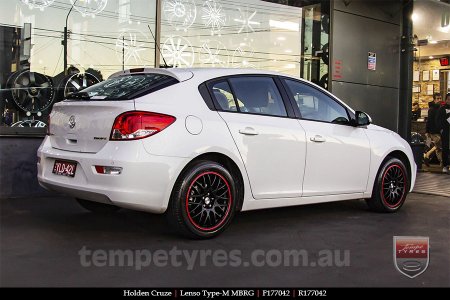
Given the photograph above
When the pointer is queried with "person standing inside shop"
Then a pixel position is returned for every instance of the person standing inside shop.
(416, 111)
(443, 123)
(432, 130)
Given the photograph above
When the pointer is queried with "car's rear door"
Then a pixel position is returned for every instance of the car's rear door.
(270, 140)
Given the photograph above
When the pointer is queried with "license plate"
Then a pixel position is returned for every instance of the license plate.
(65, 168)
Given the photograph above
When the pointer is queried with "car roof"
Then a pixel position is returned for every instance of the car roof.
(204, 74)
(217, 72)
(183, 74)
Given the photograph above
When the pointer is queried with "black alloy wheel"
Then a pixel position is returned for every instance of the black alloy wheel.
(203, 200)
(390, 188)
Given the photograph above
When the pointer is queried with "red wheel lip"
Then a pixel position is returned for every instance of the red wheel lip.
(404, 187)
(208, 229)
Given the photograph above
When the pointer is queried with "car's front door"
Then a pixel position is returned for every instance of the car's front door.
(338, 154)
(272, 145)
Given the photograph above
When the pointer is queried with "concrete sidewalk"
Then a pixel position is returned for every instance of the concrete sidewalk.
(433, 184)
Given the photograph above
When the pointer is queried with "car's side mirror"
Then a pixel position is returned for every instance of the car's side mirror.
(361, 119)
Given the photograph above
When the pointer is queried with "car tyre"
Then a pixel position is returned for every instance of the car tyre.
(98, 208)
(390, 188)
(203, 201)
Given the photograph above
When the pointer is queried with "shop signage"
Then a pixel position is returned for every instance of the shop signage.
(372, 61)
(411, 255)
(337, 70)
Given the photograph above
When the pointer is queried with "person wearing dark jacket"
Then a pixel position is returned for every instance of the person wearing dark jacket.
(416, 111)
(432, 131)
(443, 124)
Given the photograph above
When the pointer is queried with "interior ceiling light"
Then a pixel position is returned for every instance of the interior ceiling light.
(286, 25)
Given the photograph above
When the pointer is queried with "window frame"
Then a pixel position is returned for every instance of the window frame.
(290, 95)
(290, 114)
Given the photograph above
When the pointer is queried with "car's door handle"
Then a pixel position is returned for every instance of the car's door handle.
(318, 139)
(248, 131)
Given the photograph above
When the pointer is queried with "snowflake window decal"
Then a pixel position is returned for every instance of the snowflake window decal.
(246, 19)
(39, 4)
(129, 45)
(213, 16)
(242, 57)
(214, 54)
(89, 8)
(180, 14)
(178, 52)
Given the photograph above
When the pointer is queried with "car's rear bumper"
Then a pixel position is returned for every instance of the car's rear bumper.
(145, 182)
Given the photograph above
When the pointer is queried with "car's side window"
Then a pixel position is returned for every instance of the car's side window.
(315, 105)
(258, 95)
(224, 96)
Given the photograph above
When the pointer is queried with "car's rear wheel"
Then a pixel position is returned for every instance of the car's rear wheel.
(390, 188)
(203, 200)
(99, 208)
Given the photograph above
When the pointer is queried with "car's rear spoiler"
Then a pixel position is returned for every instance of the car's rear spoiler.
(179, 74)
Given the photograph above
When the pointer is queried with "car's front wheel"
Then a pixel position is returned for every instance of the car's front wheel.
(390, 188)
(203, 200)
(98, 208)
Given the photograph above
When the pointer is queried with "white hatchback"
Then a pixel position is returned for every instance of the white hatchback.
(201, 144)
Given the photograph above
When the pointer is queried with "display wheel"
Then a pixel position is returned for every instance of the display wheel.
(32, 92)
(323, 82)
(325, 54)
(77, 82)
(325, 22)
(29, 123)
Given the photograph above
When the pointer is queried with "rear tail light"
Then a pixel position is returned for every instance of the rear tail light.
(135, 125)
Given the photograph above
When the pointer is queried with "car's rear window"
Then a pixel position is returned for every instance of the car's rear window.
(124, 87)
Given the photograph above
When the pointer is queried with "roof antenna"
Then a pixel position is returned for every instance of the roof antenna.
(159, 49)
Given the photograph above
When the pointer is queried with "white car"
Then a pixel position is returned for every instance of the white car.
(201, 144)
